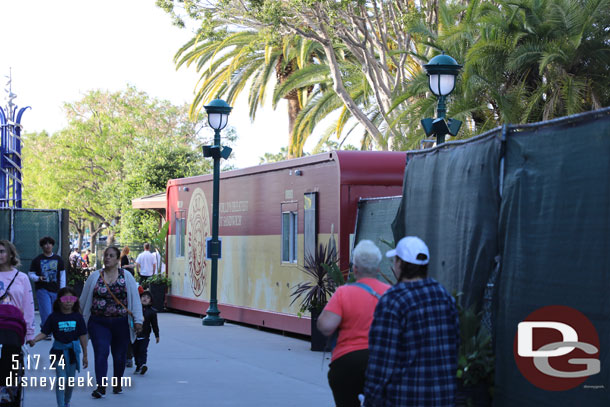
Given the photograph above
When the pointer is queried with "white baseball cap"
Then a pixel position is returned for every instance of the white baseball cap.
(408, 248)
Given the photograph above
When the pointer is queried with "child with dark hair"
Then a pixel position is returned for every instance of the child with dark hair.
(140, 346)
(70, 332)
(48, 273)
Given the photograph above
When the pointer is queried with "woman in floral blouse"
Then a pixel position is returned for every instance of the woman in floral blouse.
(113, 312)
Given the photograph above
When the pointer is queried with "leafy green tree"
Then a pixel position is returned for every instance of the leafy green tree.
(323, 146)
(330, 145)
(148, 173)
(117, 146)
(273, 158)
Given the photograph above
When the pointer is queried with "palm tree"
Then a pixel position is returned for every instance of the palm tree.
(322, 101)
(430, 37)
(231, 62)
(543, 59)
(524, 61)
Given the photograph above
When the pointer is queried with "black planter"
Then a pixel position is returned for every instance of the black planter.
(158, 296)
(318, 341)
(472, 396)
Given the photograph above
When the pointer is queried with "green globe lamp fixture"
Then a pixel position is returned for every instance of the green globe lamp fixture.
(218, 116)
(442, 71)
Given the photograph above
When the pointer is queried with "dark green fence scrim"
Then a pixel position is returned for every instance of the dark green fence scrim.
(25, 227)
(536, 199)
(373, 222)
(451, 201)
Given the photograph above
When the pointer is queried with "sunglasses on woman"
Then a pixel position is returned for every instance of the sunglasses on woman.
(68, 298)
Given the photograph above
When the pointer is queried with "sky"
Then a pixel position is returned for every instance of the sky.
(59, 50)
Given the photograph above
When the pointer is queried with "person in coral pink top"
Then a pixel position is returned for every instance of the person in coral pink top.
(350, 310)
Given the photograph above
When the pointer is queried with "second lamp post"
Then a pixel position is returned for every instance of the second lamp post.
(441, 71)
(218, 116)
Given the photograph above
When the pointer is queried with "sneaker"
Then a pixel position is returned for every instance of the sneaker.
(99, 392)
(143, 369)
(129, 363)
(138, 369)
(117, 389)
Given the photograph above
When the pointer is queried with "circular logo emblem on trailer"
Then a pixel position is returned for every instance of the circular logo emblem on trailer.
(198, 227)
(556, 348)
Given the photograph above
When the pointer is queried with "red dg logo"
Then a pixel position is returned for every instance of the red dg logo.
(556, 348)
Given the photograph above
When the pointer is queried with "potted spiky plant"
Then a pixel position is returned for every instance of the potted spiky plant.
(315, 292)
(77, 279)
(159, 283)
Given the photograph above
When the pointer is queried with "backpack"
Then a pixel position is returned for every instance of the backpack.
(11, 317)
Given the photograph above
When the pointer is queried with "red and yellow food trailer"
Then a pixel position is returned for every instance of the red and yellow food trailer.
(268, 216)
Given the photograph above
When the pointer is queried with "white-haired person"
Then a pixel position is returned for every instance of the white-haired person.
(414, 337)
(350, 310)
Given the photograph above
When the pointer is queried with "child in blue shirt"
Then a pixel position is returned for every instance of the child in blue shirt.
(67, 325)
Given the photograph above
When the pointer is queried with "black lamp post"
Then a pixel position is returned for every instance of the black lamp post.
(218, 116)
(441, 71)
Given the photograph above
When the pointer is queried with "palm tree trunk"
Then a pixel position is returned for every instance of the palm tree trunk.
(294, 150)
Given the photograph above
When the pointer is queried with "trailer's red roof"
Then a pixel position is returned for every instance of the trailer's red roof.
(367, 167)
(355, 167)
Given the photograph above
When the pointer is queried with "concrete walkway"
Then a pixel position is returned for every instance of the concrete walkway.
(196, 365)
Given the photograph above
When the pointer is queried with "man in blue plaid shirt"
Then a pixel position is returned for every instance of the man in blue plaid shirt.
(414, 338)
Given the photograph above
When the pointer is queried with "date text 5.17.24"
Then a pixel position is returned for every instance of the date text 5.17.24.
(31, 362)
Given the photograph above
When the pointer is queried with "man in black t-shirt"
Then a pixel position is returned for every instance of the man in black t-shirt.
(49, 275)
